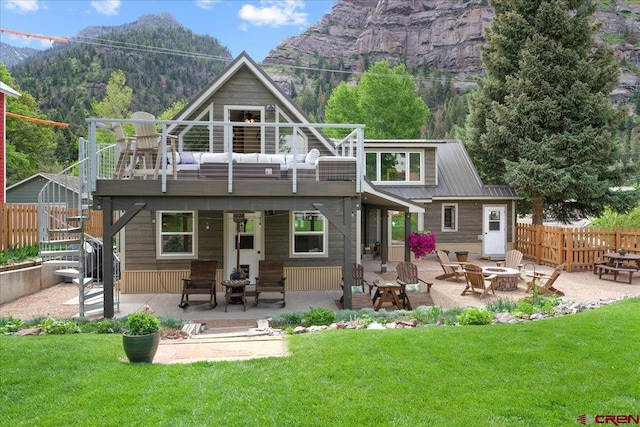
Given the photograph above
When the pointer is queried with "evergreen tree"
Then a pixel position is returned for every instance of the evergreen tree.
(540, 119)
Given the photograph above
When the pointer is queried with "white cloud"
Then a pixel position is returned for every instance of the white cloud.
(22, 6)
(274, 13)
(106, 7)
(206, 4)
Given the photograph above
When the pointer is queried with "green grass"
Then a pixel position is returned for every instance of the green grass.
(528, 374)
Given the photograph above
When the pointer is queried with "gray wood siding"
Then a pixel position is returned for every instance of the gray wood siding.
(244, 89)
(140, 242)
(28, 191)
(430, 166)
(469, 220)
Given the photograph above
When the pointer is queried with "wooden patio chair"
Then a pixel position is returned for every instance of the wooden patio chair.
(408, 276)
(126, 147)
(543, 283)
(148, 141)
(358, 280)
(450, 270)
(202, 281)
(270, 280)
(513, 259)
(477, 282)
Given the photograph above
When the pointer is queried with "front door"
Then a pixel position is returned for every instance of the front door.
(243, 243)
(494, 227)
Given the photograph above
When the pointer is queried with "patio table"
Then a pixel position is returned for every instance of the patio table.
(387, 292)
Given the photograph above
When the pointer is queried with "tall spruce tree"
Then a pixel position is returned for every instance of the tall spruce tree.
(540, 120)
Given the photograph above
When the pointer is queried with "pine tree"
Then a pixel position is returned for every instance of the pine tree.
(540, 119)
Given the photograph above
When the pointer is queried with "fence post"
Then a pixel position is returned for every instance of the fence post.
(568, 255)
(538, 234)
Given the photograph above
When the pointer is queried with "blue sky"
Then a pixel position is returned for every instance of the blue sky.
(254, 26)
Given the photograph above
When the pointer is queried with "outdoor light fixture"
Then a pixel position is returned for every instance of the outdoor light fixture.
(271, 108)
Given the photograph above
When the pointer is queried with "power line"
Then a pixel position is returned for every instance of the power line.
(95, 41)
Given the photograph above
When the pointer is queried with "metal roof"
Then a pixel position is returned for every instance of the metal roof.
(457, 179)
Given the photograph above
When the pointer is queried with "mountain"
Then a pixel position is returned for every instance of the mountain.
(11, 55)
(432, 34)
(163, 63)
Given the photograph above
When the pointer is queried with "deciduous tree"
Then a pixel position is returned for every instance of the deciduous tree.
(384, 100)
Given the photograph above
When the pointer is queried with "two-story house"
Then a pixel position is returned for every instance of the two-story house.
(244, 176)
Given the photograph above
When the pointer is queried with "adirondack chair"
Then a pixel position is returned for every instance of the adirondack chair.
(450, 270)
(543, 283)
(358, 280)
(477, 282)
(126, 146)
(147, 145)
(408, 276)
(513, 259)
(202, 281)
(270, 280)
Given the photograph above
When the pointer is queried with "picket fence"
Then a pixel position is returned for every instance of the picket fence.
(19, 225)
(577, 248)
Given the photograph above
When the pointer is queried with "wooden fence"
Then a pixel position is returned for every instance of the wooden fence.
(577, 248)
(19, 225)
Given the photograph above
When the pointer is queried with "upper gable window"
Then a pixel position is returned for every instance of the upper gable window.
(394, 166)
(287, 139)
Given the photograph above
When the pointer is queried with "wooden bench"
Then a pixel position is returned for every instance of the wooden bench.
(606, 269)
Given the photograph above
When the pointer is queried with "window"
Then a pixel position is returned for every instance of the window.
(450, 217)
(398, 226)
(308, 234)
(176, 234)
(394, 166)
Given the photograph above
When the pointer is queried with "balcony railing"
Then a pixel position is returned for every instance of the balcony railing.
(189, 150)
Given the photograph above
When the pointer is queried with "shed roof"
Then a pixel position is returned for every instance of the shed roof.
(457, 179)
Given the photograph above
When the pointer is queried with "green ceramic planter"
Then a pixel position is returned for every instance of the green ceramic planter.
(141, 348)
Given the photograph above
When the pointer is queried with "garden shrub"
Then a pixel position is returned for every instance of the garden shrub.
(59, 327)
(318, 316)
(475, 316)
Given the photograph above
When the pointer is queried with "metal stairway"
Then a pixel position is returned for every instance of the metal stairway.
(64, 206)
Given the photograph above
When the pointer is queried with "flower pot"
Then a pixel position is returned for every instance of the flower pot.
(622, 251)
(141, 348)
(461, 256)
(236, 276)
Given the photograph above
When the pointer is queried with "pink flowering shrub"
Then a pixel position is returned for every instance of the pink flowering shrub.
(422, 243)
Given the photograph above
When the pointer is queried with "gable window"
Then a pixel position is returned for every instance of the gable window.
(450, 217)
(176, 234)
(308, 234)
(394, 166)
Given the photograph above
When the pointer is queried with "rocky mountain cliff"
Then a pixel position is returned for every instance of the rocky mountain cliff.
(433, 33)
(11, 55)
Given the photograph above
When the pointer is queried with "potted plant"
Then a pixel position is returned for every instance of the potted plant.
(622, 251)
(461, 256)
(237, 274)
(142, 336)
(422, 243)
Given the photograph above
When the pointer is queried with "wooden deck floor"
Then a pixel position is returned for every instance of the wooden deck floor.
(361, 301)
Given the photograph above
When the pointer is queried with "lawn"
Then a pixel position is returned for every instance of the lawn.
(543, 373)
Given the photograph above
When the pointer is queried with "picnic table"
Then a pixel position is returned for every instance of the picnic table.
(619, 263)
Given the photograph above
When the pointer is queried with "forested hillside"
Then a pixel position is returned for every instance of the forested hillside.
(163, 63)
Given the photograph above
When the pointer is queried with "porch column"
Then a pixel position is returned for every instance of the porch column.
(384, 241)
(347, 271)
(107, 257)
(407, 232)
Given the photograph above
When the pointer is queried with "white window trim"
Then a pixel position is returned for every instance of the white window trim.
(455, 218)
(407, 154)
(191, 255)
(292, 234)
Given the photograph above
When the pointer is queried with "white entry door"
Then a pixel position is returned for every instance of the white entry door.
(494, 227)
(243, 243)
